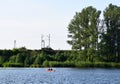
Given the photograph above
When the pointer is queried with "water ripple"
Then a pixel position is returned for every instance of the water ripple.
(61, 76)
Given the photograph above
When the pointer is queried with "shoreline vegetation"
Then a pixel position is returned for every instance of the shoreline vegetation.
(64, 65)
(47, 57)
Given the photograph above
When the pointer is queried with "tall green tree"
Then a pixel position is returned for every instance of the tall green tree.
(21, 57)
(27, 61)
(39, 59)
(111, 37)
(12, 59)
(83, 29)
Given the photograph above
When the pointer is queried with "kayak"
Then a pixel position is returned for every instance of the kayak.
(50, 70)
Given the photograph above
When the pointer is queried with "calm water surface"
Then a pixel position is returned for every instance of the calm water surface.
(61, 76)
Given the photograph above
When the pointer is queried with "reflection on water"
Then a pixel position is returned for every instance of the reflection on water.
(61, 76)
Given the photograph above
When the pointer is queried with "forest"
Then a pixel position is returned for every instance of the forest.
(22, 57)
(95, 43)
(47, 57)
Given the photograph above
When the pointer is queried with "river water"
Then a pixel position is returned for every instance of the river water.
(60, 76)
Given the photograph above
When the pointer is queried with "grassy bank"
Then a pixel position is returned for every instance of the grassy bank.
(85, 64)
(67, 64)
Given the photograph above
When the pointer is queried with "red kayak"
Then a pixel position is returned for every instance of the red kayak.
(50, 70)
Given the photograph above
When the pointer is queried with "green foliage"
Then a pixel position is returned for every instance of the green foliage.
(39, 60)
(2, 59)
(110, 42)
(7, 53)
(12, 59)
(20, 57)
(46, 64)
(83, 29)
(28, 61)
(13, 65)
(60, 57)
(58, 64)
(15, 51)
(83, 32)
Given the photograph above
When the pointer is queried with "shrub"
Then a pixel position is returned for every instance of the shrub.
(12, 65)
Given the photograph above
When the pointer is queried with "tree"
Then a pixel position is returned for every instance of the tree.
(20, 58)
(110, 38)
(12, 59)
(83, 29)
(27, 61)
(60, 57)
(39, 59)
(2, 59)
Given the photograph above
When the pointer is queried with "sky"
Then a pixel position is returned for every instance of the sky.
(26, 20)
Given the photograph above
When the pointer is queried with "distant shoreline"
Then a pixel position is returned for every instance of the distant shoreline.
(48, 57)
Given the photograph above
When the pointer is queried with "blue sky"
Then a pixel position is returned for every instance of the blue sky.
(25, 21)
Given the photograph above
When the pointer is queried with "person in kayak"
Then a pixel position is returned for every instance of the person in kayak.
(50, 70)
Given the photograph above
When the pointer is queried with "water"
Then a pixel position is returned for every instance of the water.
(60, 76)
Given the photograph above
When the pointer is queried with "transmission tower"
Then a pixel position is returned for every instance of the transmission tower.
(43, 39)
(42, 42)
(49, 41)
(14, 43)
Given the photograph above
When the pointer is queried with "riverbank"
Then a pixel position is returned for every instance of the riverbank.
(67, 64)
(23, 57)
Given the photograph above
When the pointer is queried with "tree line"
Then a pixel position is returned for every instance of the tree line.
(47, 57)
